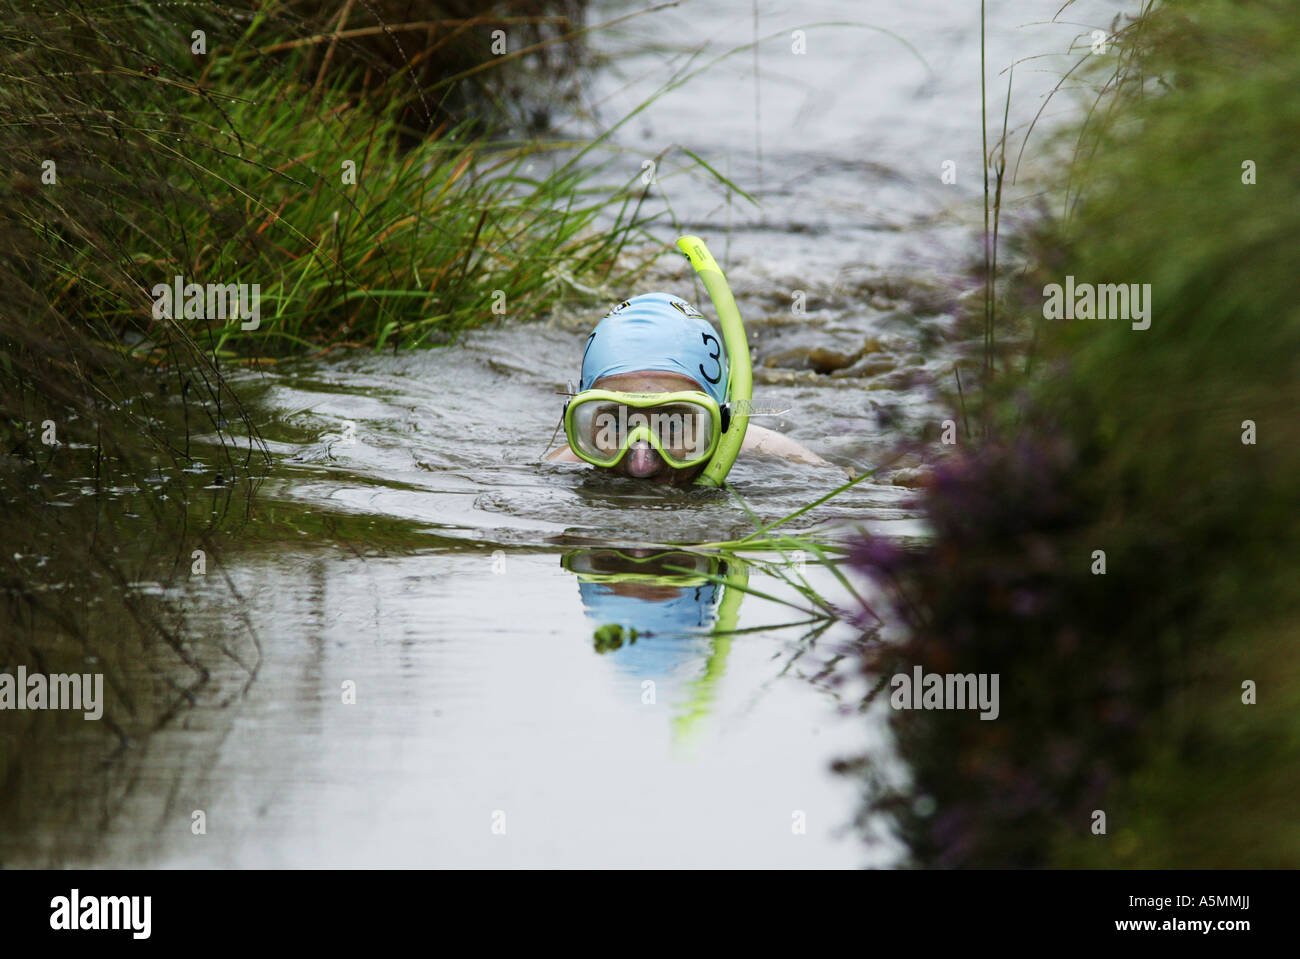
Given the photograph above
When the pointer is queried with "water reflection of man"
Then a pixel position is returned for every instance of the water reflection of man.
(664, 595)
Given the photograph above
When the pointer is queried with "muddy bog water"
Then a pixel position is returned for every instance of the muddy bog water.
(410, 672)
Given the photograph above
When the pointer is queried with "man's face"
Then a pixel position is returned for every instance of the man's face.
(643, 460)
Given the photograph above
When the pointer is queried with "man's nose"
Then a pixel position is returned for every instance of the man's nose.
(642, 460)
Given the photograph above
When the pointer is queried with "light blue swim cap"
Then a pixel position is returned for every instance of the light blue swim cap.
(659, 332)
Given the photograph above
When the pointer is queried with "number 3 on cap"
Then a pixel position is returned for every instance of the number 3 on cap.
(715, 356)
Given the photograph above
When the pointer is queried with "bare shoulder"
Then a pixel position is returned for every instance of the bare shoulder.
(762, 440)
(563, 454)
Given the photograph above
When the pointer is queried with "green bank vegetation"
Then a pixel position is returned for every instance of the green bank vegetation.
(1173, 450)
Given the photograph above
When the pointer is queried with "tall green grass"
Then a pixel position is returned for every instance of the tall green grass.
(1204, 525)
(1123, 691)
(234, 167)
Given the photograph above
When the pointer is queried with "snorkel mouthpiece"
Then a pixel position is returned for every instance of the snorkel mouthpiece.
(740, 381)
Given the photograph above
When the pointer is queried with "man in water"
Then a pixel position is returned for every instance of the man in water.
(645, 348)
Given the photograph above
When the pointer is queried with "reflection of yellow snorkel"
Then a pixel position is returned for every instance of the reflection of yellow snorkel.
(703, 690)
(740, 383)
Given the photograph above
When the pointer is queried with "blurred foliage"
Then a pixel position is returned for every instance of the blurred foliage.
(1123, 692)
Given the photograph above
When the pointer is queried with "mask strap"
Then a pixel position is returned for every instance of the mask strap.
(558, 427)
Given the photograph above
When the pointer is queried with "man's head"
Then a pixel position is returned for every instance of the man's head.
(656, 343)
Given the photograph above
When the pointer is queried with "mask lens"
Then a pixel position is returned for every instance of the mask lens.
(598, 429)
(683, 431)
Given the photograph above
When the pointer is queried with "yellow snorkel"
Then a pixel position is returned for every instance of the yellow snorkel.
(740, 380)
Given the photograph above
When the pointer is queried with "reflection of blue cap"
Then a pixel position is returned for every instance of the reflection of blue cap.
(676, 623)
(657, 332)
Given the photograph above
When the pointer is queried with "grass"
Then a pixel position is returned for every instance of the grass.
(134, 159)
(1123, 691)
(354, 234)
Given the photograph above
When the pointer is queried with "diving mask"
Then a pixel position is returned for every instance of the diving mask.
(683, 427)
